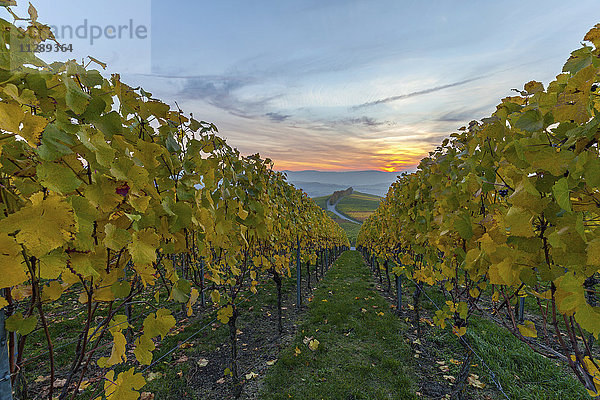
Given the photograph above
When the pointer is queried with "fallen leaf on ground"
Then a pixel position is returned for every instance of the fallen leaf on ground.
(154, 375)
(203, 362)
(475, 382)
(181, 359)
(251, 375)
(59, 383)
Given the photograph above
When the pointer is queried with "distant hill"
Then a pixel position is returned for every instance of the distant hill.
(323, 183)
(317, 189)
(357, 206)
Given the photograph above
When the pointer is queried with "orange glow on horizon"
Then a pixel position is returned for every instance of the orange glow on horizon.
(389, 166)
(388, 158)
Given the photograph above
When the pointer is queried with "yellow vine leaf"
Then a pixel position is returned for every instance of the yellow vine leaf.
(159, 323)
(518, 220)
(215, 296)
(528, 329)
(21, 325)
(224, 314)
(588, 318)
(474, 381)
(593, 36)
(117, 354)
(53, 264)
(11, 116)
(593, 371)
(505, 272)
(125, 387)
(53, 213)
(143, 246)
(116, 238)
(143, 349)
(13, 267)
(593, 252)
(146, 272)
(193, 298)
(21, 292)
(243, 214)
(33, 126)
(52, 291)
(459, 331)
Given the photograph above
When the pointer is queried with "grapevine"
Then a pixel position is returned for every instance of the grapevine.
(509, 207)
(108, 194)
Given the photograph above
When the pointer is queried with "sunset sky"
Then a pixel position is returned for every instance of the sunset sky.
(337, 85)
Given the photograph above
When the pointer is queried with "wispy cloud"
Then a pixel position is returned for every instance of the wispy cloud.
(463, 114)
(417, 93)
(223, 92)
(277, 117)
(364, 120)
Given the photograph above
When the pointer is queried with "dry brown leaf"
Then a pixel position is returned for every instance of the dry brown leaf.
(475, 382)
(181, 359)
(58, 383)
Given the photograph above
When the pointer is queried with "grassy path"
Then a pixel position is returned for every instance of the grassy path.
(361, 353)
(367, 352)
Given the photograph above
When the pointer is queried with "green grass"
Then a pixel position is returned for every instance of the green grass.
(358, 206)
(351, 229)
(522, 373)
(361, 354)
(322, 201)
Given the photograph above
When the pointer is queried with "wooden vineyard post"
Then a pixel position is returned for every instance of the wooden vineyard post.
(521, 311)
(5, 386)
(399, 292)
(202, 301)
(298, 274)
(308, 274)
